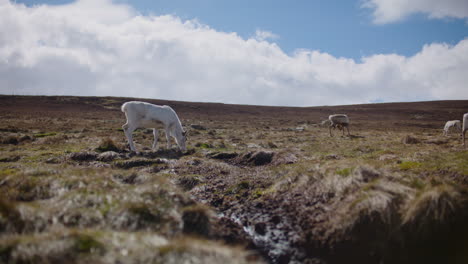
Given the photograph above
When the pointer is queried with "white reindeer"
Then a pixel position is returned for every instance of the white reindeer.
(141, 114)
(451, 124)
(339, 121)
(465, 127)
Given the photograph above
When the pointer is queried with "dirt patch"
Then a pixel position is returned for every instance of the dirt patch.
(222, 155)
(408, 139)
(83, 156)
(127, 164)
(256, 158)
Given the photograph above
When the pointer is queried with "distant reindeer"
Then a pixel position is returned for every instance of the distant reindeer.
(339, 121)
(146, 115)
(451, 124)
(465, 127)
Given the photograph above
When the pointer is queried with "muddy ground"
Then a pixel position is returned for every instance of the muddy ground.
(257, 184)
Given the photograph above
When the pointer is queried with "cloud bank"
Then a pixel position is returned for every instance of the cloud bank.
(99, 48)
(388, 11)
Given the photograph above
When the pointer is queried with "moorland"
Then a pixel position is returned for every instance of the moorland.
(257, 184)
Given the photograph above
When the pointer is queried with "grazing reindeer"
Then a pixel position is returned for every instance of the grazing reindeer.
(141, 114)
(465, 127)
(451, 124)
(339, 121)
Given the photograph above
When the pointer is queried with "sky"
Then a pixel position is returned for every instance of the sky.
(262, 52)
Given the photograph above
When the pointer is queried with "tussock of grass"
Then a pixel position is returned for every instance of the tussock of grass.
(435, 205)
(89, 246)
(108, 145)
(188, 182)
(10, 218)
(23, 187)
(196, 220)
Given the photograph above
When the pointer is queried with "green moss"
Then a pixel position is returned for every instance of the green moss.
(409, 165)
(257, 193)
(87, 244)
(48, 134)
(7, 172)
(344, 172)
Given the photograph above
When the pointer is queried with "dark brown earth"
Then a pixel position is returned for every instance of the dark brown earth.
(378, 116)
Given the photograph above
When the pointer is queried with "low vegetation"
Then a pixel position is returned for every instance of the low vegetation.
(252, 187)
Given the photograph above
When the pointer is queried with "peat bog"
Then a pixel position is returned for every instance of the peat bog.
(256, 185)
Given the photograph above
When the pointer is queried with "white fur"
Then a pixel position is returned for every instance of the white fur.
(465, 127)
(141, 114)
(339, 121)
(451, 124)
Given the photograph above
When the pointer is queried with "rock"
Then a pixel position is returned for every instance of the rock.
(108, 156)
(83, 156)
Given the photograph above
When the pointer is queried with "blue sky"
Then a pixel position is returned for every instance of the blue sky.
(341, 28)
(297, 53)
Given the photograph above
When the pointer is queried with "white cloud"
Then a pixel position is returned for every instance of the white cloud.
(65, 50)
(388, 11)
(262, 35)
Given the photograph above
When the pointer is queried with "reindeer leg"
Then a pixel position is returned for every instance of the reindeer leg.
(128, 130)
(155, 142)
(168, 137)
